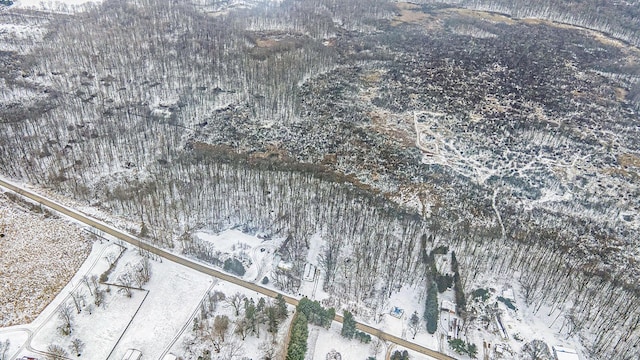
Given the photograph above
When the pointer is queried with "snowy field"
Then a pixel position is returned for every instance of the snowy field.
(40, 254)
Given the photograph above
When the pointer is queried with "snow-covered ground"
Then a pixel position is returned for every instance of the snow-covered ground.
(322, 341)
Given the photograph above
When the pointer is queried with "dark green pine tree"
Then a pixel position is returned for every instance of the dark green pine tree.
(298, 341)
(329, 316)
(348, 325)
(431, 309)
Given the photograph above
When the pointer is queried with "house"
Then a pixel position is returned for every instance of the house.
(132, 354)
(563, 353)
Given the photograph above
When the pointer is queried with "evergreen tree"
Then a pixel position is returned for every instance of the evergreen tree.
(298, 341)
(431, 309)
(261, 305)
(328, 319)
(348, 325)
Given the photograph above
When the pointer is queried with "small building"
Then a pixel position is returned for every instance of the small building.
(132, 354)
(563, 353)
(170, 357)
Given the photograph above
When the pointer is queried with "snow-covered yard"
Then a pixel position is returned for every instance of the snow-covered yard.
(322, 342)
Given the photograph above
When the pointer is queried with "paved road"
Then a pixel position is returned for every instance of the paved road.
(204, 269)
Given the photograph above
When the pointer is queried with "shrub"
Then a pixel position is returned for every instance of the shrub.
(234, 266)
(482, 294)
(507, 302)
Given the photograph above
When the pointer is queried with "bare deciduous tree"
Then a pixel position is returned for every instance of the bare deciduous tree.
(77, 346)
(87, 282)
(125, 281)
(233, 350)
(4, 348)
(78, 300)
(414, 324)
(65, 313)
(56, 352)
(236, 300)
(242, 328)
(111, 258)
(220, 326)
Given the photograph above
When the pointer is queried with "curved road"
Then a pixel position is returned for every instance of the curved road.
(205, 269)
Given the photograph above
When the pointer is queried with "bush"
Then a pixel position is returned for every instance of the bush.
(482, 294)
(363, 337)
(507, 302)
(397, 355)
(234, 266)
(458, 346)
(265, 280)
(462, 348)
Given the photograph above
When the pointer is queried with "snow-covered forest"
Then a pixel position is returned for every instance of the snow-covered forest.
(384, 129)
